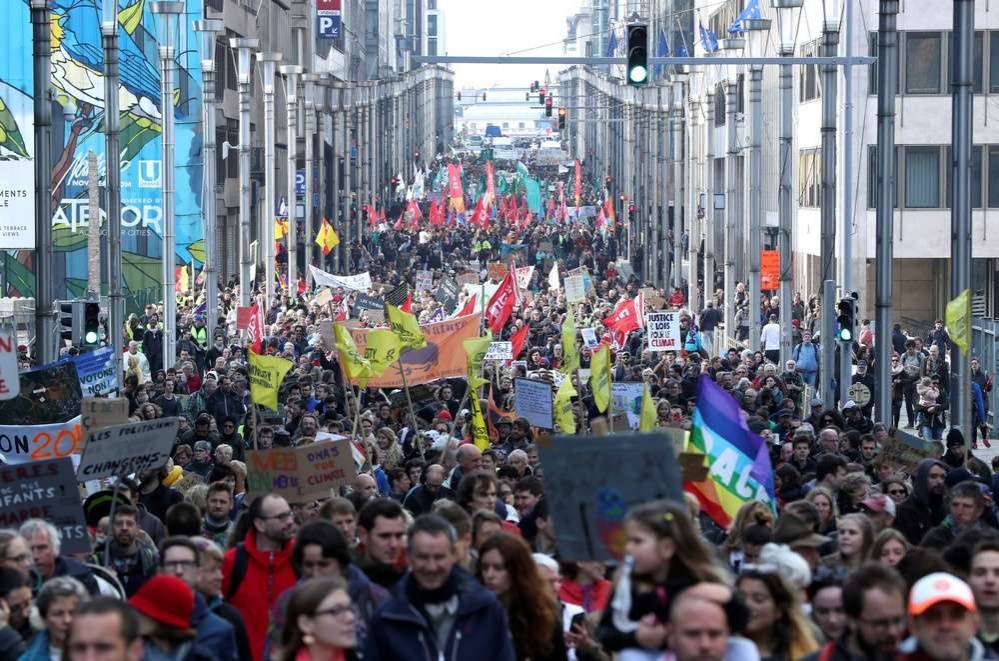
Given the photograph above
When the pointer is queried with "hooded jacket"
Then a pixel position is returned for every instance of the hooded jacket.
(214, 633)
(268, 574)
(399, 631)
(920, 511)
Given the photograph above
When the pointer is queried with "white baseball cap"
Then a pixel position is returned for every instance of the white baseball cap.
(934, 588)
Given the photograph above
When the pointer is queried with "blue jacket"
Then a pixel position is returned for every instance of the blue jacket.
(214, 633)
(38, 649)
(806, 356)
(399, 631)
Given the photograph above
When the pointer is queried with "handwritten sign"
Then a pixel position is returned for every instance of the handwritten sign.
(904, 450)
(10, 382)
(134, 447)
(589, 503)
(663, 331)
(21, 444)
(533, 401)
(653, 298)
(424, 280)
(626, 400)
(575, 288)
(97, 412)
(499, 351)
(45, 490)
(303, 473)
(96, 372)
(590, 338)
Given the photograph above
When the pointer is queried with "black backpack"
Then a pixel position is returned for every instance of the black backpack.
(239, 566)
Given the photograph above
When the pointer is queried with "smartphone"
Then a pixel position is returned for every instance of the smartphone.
(579, 619)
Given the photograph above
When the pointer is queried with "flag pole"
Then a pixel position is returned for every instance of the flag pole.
(409, 399)
(357, 410)
(256, 426)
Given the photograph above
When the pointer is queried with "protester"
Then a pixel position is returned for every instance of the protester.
(319, 623)
(57, 603)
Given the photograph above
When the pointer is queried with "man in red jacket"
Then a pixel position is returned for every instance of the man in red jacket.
(259, 569)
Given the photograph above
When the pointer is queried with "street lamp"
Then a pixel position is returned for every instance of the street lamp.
(169, 13)
(309, 81)
(346, 108)
(291, 73)
(244, 47)
(758, 29)
(733, 48)
(209, 30)
(268, 62)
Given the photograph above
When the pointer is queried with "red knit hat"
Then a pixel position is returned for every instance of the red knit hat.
(444, 414)
(166, 599)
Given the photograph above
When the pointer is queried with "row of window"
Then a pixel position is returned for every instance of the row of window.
(925, 62)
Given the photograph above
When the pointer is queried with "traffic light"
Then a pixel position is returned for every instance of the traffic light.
(91, 325)
(70, 322)
(541, 96)
(561, 118)
(483, 96)
(638, 54)
(548, 107)
(536, 86)
(527, 96)
(845, 320)
(459, 96)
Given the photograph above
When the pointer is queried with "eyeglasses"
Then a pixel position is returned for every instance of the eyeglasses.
(336, 611)
(283, 516)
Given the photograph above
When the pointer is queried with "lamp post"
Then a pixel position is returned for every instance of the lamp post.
(830, 47)
(346, 108)
(786, 38)
(41, 38)
(112, 124)
(169, 13)
(268, 62)
(209, 30)
(244, 47)
(679, 79)
(291, 72)
(309, 81)
(709, 204)
(733, 223)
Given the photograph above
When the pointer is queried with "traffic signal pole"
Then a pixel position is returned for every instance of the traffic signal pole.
(45, 341)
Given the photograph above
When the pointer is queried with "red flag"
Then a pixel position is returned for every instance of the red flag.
(479, 215)
(501, 304)
(609, 211)
(434, 215)
(255, 329)
(628, 316)
(469, 307)
(398, 224)
(407, 305)
(343, 311)
(372, 216)
(551, 206)
(518, 339)
(578, 184)
(413, 209)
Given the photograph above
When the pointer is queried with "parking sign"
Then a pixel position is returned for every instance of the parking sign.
(328, 27)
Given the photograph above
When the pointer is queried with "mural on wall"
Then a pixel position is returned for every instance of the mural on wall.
(78, 128)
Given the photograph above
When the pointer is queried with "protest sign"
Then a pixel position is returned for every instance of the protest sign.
(243, 316)
(300, 474)
(447, 289)
(359, 282)
(652, 298)
(373, 317)
(497, 271)
(499, 351)
(533, 401)
(424, 280)
(589, 503)
(326, 332)
(96, 371)
(769, 269)
(367, 302)
(590, 338)
(524, 275)
(266, 373)
(134, 447)
(443, 357)
(575, 289)
(663, 331)
(45, 490)
(10, 383)
(48, 394)
(626, 400)
(323, 298)
(25, 443)
(97, 412)
(904, 451)
(467, 279)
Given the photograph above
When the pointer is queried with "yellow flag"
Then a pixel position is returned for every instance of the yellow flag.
(357, 366)
(334, 238)
(647, 418)
(280, 229)
(564, 416)
(600, 377)
(959, 320)
(475, 353)
(266, 374)
(383, 349)
(570, 355)
(406, 327)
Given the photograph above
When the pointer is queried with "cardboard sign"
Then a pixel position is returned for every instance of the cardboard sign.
(499, 351)
(10, 382)
(652, 298)
(326, 333)
(424, 280)
(769, 269)
(467, 279)
(589, 503)
(323, 298)
(497, 271)
(367, 302)
(533, 401)
(904, 450)
(300, 474)
(20, 444)
(96, 371)
(575, 288)
(98, 412)
(626, 401)
(133, 447)
(662, 330)
(45, 490)
(373, 317)
(447, 289)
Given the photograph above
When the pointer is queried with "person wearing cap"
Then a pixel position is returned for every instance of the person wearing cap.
(864, 376)
(165, 605)
(855, 419)
(943, 619)
(925, 507)
(967, 503)
(874, 605)
(880, 509)
(793, 531)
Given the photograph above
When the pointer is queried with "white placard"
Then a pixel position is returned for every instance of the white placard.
(663, 331)
(533, 401)
(590, 338)
(10, 382)
(359, 282)
(133, 447)
(424, 280)
(499, 351)
(575, 289)
(626, 398)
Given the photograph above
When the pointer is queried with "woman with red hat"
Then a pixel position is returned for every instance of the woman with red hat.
(165, 604)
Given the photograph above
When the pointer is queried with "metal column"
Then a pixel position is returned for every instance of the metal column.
(887, 86)
(709, 201)
(112, 154)
(209, 30)
(45, 329)
(693, 222)
(309, 81)
(785, 202)
(731, 216)
(827, 242)
(678, 186)
(755, 203)
(268, 62)
(245, 47)
(291, 73)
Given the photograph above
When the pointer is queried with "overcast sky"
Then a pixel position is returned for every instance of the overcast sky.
(500, 27)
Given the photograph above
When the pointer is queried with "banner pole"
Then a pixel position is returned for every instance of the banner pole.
(256, 426)
(409, 399)
(114, 503)
(357, 410)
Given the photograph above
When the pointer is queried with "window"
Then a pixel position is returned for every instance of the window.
(720, 105)
(220, 69)
(922, 62)
(809, 177)
(994, 61)
(432, 25)
(994, 177)
(808, 75)
(976, 177)
(922, 177)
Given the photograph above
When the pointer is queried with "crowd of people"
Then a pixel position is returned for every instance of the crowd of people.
(440, 548)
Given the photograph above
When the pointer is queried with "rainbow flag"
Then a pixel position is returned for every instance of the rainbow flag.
(739, 460)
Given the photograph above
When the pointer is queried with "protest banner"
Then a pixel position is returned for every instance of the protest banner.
(134, 447)
(300, 474)
(97, 412)
(533, 401)
(243, 316)
(359, 282)
(96, 371)
(589, 503)
(663, 331)
(497, 271)
(626, 400)
(10, 383)
(442, 358)
(575, 289)
(367, 302)
(45, 490)
(653, 298)
(467, 279)
(499, 351)
(48, 394)
(424, 280)
(21, 444)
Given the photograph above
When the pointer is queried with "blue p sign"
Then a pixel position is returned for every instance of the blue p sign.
(328, 27)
